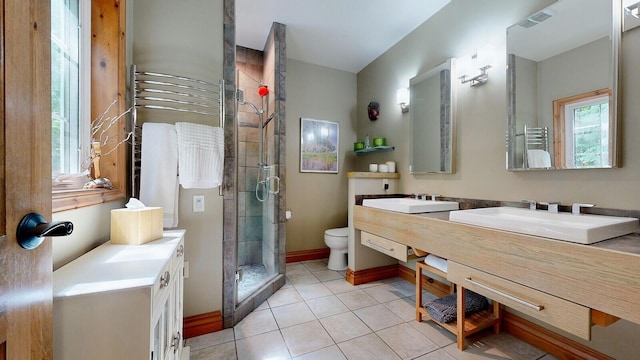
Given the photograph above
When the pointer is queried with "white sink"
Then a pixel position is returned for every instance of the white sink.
(582, 229)
(410, 206)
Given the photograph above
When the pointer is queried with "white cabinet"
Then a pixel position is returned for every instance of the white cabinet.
(121, 302)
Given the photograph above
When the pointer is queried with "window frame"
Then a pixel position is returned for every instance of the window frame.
(560, 128)
(108, 68)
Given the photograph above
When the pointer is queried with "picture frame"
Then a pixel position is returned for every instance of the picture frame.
(319, 146)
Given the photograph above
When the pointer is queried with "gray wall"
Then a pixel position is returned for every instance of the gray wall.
(456, 31)
(318, 201)
(185, 38)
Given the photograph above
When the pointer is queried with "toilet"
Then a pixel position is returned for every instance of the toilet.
(338, 242)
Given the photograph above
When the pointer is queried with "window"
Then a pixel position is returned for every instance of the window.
(70, 85)
(88, 50)
(587, 123)
(582, 127)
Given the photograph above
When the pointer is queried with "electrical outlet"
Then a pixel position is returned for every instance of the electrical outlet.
(385, 184)
(198, 203)
(185, 270)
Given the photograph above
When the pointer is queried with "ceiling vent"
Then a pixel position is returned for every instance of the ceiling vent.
(536, 18)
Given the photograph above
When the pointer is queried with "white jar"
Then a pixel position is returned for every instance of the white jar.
(391, 166)
(373, 167)
(383, 168)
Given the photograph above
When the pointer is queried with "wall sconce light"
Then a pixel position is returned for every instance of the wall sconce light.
(402, 99)
(474, 69)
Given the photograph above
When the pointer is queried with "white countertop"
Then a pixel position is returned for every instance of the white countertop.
(110, 266)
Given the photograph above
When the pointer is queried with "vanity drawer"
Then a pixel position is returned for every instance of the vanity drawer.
(385, 246)
(563, 314)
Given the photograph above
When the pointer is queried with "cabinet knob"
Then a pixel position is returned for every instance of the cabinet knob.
(180, 251)
(164, 280)
(175, 342)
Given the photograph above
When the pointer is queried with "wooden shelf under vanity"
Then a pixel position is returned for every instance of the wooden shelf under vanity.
(470, 324)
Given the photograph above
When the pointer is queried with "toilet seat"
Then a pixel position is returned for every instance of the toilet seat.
(341, 232)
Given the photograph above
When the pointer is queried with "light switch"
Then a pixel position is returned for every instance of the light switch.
(198, 203)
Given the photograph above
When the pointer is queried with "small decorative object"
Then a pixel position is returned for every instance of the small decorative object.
(373, 167)
(379, 141)
(373, 109)
(358, 145)
(391, 165)
(319, 141)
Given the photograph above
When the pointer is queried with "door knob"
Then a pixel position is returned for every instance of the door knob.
(33, 228)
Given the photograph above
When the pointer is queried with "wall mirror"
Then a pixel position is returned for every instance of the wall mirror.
(562, 78)
(432, 99)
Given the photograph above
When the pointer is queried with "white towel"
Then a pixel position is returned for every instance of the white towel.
(538, 159)
(159, 170)
(436, 262)
(200, 155)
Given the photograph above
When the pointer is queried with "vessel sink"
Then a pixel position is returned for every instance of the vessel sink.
(582, 229)
(410, 206)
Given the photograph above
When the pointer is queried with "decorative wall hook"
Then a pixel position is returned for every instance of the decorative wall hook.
(373, 110)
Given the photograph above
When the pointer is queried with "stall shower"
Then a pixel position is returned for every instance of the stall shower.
(258, 182)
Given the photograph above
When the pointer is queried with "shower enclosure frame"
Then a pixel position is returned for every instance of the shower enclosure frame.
(232, 311)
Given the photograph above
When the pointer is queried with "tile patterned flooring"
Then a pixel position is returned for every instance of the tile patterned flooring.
(318, 315)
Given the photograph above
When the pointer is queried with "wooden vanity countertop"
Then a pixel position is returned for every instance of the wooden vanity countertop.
(604, 276)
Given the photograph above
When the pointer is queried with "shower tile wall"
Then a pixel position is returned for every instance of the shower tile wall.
(250, 216)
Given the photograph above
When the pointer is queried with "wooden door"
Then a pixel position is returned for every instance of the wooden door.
(25, 178)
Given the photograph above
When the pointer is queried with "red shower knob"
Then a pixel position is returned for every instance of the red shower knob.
(263, 91)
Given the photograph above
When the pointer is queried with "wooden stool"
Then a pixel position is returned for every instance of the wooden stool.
(463, 326)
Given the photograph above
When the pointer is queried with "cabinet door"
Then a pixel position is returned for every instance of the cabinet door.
(167, 323)
(178, 309)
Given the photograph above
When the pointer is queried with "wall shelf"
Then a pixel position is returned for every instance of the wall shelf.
(374, 149)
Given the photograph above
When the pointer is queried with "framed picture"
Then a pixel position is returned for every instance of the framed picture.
(319, 146)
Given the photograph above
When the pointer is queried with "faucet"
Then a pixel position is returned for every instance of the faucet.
(552, 206)
(575, 208)
(532, 204)
(434, 197)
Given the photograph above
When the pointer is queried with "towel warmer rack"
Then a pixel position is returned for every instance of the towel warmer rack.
(167, 92)
(535, 138)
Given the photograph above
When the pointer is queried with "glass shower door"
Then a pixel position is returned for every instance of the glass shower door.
(257, 246)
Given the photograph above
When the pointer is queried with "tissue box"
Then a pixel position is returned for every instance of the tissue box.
(136, 226)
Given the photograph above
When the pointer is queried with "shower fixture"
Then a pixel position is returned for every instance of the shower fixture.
(270, 184)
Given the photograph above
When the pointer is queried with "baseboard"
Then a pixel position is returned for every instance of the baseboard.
(536, 335)
(373, 274)
(305, 255)
(546, 340)
(202, 324)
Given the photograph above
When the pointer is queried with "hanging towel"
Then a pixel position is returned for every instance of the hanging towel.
(200, 155)
(159, 170)
(538, 159)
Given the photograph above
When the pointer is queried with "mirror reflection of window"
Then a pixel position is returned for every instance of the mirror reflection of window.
(583, 122)
(557, 53)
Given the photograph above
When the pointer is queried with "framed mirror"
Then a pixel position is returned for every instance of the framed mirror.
(432, 99)
(562, 87)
